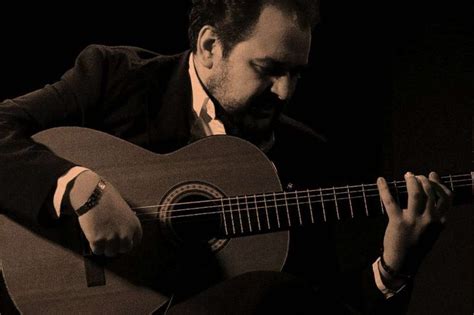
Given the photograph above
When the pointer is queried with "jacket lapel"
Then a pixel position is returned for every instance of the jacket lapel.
(170, 105)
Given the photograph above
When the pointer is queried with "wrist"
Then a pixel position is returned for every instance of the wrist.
(83, 187)
(391, 281)
(390, 272)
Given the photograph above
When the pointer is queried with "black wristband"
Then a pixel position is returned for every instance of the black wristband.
(93, 199)
(392, 272)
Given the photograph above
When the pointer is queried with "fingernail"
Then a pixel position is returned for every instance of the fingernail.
(380, 180)
(409, 174)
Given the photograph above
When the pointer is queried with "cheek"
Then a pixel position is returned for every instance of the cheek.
(247, 85)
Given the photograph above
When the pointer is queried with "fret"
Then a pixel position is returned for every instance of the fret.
(350, 201)
(335, 202)
(322, 203)
(240, 215)
(298, 207)
(451, 182)
(248, 213)
(303, 196)
(365, 200)
(223, 217)
(276, 210)
(256, 212)
(310, 206)
(266, 211)
(232, 215)
(287, 210)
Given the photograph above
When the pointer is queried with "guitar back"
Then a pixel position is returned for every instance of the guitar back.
(44, 267)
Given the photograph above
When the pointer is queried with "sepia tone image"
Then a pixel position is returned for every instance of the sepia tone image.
(237, 157)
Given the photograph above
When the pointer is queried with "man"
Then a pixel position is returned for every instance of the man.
(243, 68)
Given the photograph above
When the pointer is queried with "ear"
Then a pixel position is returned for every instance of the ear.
(208, 46)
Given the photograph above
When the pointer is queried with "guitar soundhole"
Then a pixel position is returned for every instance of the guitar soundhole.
(193, 215)
(190, 222)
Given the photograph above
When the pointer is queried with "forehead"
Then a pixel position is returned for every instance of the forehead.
(277, 36)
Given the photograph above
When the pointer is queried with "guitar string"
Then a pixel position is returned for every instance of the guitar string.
(318, 194)
(288, 199)
(206, 214)
(210, 203)
(230, 203)
(256, 207)
(399, 184)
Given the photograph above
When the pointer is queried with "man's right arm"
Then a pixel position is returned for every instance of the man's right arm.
(29, 171)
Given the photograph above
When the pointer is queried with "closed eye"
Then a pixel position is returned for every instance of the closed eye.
(268, 71)
(272, 71)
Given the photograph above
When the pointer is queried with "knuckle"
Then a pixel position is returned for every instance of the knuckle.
(124, 236)
(388, 202)
(97, 242)
(112, 239)
(428, 219)
(397, 221)
(417, 195)
(408, 222)
(422, 179)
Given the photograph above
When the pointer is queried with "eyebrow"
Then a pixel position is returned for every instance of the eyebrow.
(279, 64)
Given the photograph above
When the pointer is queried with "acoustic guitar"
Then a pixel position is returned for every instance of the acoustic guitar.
(209, 211)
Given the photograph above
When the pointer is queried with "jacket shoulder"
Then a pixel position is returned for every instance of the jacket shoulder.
(128, 58)
(292, 129)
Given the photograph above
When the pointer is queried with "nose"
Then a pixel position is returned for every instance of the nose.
(283, 86)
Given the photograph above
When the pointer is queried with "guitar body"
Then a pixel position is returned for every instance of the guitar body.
(44, 267)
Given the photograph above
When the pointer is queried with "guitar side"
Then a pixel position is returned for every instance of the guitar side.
(44, 268)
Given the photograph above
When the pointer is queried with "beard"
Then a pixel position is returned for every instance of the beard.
(253, 119)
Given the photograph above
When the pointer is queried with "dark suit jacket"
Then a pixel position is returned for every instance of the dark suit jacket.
(145, 98)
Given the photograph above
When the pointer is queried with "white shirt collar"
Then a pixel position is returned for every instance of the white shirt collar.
(201, 100)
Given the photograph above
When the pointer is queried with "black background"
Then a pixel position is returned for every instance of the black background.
(390, 84)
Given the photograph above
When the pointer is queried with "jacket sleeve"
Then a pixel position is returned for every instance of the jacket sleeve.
(361, 293)
(28, 170)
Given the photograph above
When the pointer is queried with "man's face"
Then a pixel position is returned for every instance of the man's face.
(258, 77)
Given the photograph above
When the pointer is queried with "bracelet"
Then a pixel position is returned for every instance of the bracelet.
(93, 199)
(391, 271)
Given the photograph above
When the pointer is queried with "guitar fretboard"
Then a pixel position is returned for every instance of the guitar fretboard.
(260, 213)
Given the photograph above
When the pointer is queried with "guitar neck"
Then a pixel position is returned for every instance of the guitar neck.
(268, 212)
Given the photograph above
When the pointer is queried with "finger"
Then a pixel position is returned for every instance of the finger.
(137, 236)
(445, 196)
(416, 196)
(393, 210)
(443, 204)
(431, 212)
(112, 247)
(444, 200)
(126, 245)
(429, 192)
(97, 247)
(440, 188)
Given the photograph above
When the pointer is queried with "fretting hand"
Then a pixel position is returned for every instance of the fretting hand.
(411, 232)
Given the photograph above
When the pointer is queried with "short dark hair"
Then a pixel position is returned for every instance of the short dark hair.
(234, 20)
